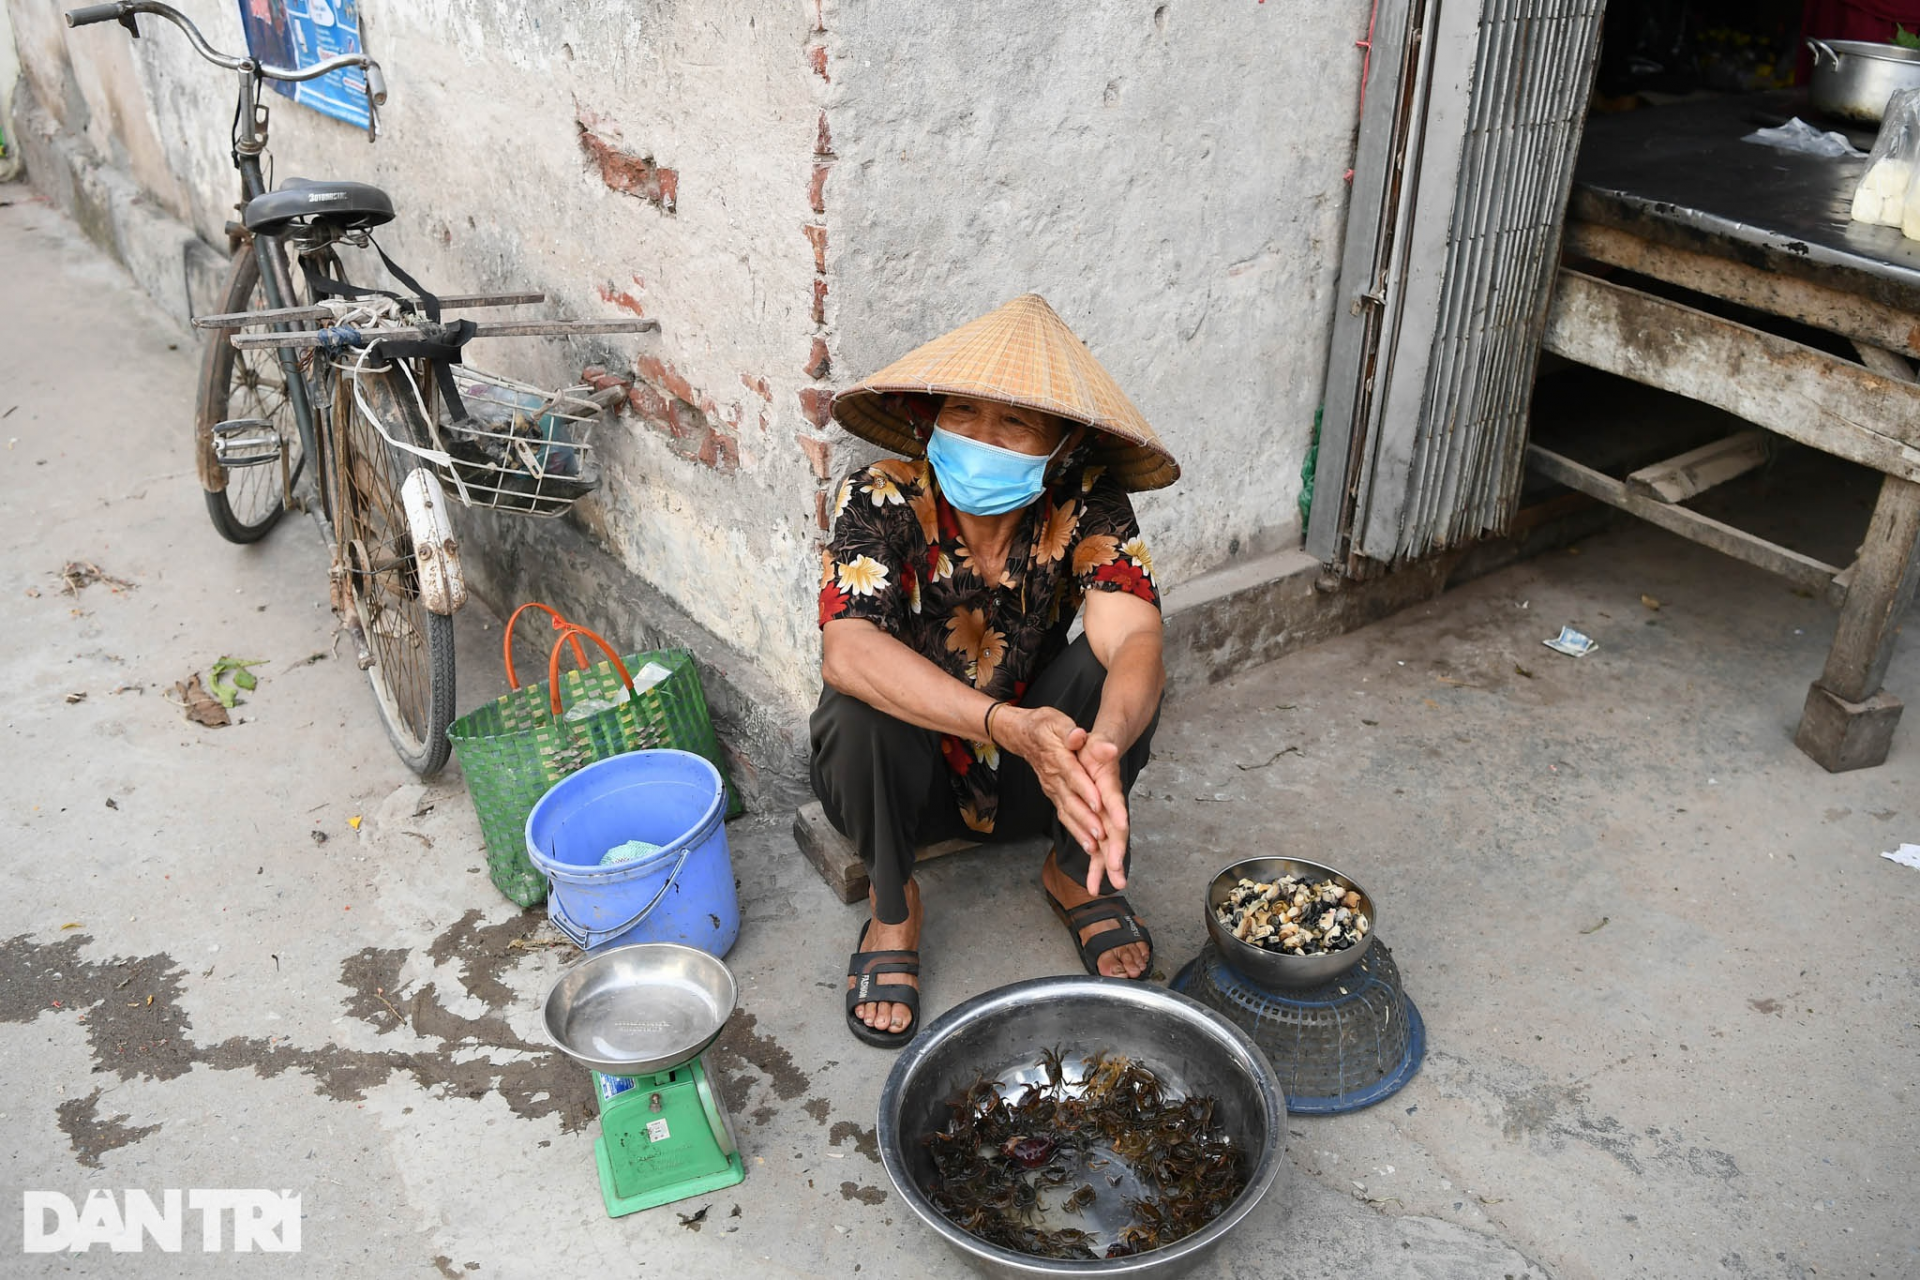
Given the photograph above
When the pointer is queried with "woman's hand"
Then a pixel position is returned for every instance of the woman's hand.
(1049, 741)
(1100, 760)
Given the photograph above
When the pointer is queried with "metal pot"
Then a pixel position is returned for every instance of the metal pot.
(1854, 78)
(1000, 1035)
(1276, 970)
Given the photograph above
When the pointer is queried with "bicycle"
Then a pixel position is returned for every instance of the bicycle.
(360, 382)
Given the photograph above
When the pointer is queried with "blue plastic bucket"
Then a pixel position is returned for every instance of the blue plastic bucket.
(684, 893)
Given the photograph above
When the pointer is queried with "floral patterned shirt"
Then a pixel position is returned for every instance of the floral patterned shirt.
(897, 559)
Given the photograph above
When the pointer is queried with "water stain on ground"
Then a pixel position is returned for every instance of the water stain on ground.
(817, 1108)
(137, 1029)
(741, 1053)
(91, 1135)
(485, 951)
(865, 1141)
(1549, 1116)
(865, 1195)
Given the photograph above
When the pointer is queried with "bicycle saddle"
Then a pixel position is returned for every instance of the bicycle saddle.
(352, 206)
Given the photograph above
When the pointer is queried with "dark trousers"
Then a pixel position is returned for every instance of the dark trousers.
(885, 786)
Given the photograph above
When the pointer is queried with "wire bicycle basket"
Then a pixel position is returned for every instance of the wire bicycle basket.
(519, 448)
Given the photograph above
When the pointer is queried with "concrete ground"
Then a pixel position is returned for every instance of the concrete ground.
(1671, 989)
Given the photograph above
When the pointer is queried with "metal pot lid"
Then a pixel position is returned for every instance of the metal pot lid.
(638, 1009)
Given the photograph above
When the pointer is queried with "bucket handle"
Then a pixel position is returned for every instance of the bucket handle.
(559, 624)
(1820, 47)
(583, 938)
(572, 631)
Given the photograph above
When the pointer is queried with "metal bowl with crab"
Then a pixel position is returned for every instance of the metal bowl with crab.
(1016, 1036)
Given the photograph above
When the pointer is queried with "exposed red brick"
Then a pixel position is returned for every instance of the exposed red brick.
(817, 55)
(600, 379)
(823, 140)
(647, 402)
(820, 508)
(819, 363)
(817, 237)
(758, 386)
(817, 404)
(819, 19)
(719, 451)
(665, 377)
(819, 300)
(819, 453)
(684, 421)
(625, 301)
(817, 188)
(630, 174)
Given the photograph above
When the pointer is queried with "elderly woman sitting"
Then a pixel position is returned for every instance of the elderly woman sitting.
(954, 703)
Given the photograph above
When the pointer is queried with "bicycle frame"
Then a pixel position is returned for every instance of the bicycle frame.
(276, 276)
(249, 143)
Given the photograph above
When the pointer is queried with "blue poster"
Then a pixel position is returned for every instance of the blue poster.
(302, 33)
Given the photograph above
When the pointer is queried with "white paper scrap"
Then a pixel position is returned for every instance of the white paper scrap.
(650, 675)
(1572, 643)
(1907, 855)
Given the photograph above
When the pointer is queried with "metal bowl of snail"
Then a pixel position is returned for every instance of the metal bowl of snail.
(1272, 966)
(1047, 1038)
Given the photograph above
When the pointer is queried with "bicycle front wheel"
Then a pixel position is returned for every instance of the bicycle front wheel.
(243, 502)
(412, 647)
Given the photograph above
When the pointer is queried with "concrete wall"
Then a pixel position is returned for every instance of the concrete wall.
(1170, 175)
(799, 191)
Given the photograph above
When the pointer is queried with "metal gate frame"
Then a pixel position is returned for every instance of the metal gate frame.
(1473, 118)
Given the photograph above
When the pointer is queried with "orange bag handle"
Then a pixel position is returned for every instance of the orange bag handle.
(559, 624)
(572, 632)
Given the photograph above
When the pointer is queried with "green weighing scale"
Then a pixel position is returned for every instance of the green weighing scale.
(639, 1017)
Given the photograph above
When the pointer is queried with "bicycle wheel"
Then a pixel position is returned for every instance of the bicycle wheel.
(243, 502)
(412, 647)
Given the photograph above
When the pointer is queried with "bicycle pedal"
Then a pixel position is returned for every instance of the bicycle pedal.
(246, 442)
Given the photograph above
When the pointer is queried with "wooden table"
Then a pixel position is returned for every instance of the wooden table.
(1675, 196)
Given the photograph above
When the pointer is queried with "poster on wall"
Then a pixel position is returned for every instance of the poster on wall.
(302, 33)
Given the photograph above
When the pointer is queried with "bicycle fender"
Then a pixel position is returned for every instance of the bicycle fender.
(443, 585)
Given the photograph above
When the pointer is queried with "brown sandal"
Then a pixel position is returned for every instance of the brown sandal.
(1112, 906)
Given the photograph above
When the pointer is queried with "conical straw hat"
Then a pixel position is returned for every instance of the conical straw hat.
(1021, 354)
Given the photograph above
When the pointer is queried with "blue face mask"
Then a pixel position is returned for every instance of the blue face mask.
(984, 479)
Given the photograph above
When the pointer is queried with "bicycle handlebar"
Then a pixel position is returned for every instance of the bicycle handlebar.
(123, 11)
(93, 13)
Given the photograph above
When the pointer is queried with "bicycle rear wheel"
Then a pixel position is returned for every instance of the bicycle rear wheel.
(243, 502)
(412, 647)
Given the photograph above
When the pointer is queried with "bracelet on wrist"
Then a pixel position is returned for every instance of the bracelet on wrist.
(987, 723)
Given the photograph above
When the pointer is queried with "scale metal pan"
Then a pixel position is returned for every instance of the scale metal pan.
(635, 1010)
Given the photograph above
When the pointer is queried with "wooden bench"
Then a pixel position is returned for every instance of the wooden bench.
(835, 858)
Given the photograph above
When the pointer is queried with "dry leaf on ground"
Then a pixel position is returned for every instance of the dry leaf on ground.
(201, 707)
(75, 574)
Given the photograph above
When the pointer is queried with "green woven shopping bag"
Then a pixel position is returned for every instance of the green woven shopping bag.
(516, 747)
